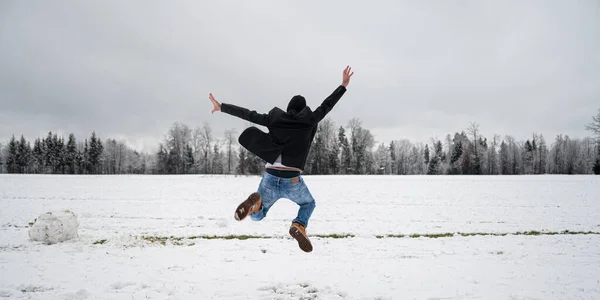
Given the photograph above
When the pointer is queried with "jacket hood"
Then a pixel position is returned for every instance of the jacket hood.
(296, 104)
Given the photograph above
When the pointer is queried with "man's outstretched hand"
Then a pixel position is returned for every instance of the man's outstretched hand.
(216, 104)
(346, 76)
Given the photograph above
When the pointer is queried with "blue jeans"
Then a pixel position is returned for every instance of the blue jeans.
(273, 188)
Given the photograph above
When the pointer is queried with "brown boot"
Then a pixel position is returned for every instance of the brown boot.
(248, 207)
(298, 232)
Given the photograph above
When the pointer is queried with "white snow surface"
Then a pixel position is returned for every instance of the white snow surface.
(110, 259)
(54, 227)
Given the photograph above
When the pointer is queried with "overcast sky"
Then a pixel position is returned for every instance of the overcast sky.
(130, 69)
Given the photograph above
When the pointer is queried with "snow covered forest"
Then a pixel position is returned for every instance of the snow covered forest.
(337, 149)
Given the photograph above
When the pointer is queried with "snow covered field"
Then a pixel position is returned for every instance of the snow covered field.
(174, 237)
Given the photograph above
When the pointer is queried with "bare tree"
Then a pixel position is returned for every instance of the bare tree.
(474, 131)
(206, 140)
(594, 126)
(230, 140)
(493, 156)
(177, 139)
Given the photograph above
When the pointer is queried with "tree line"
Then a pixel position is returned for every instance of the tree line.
(349, 149)
(52, 155)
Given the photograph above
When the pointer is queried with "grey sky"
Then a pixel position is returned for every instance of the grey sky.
(129, 69)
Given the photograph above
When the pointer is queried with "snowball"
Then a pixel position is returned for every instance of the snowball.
(54, 227)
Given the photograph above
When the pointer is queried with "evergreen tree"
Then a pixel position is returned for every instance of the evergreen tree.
(49, 152)
(254, 164)
(64, 157)
(85, 167)
(436, 160)
(38, 156)
(11, 160)
(460, 156)
(426, 154)
(71, 155)
(162, 160)
(318, 154)
(23, 156)
(95, 152)
(242, 161)
(217, 165)
(457, 152)
(393, 158)
(597, 164)
(439, 151)
(346, 158)
(474, 151)
(334, 159)
(433, 165)
(189, 159)
(528, 157)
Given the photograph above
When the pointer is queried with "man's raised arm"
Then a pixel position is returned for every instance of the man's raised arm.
(330, 101)
(240, 112)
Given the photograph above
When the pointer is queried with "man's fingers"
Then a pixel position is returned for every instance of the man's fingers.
(347, 71)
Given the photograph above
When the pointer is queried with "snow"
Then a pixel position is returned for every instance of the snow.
(124, 220)
(54, 227)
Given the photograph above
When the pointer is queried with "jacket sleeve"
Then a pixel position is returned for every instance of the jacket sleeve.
(327, 105)
(246, 114)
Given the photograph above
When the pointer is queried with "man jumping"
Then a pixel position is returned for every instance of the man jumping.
(285, 149)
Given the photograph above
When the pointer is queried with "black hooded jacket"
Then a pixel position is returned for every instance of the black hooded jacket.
(290, 133)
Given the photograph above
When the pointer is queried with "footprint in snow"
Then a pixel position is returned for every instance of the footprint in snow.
(33, 289)
(80, 295)
(5, 294)
(121, 285)
(302, 291)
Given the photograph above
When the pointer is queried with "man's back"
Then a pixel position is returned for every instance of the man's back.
(290, 133)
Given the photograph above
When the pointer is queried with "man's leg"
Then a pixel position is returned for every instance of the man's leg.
(258, 203)
(300, 194)
(305, 200)
(268, 190)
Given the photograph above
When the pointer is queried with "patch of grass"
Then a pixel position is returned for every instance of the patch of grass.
(99, 242)
(228, 237)
(497, 252)
(532, 232)
(439, 235)
(335, 236)
(182, 241)
(428, 235)
(481, 234)
(155, 239)
(396, 235)
(579, 232)
(448, 234)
